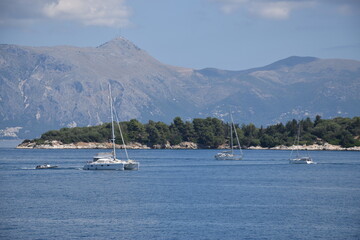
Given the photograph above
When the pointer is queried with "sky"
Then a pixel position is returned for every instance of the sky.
(224, 34)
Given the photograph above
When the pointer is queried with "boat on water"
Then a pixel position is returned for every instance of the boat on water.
(231, 154)
(298, 159)
(301, 160)
(45, 166)
(108, 161)
(227, 155)
(103, 158)
(105, 164)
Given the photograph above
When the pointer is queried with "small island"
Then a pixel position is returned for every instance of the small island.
(209, 133)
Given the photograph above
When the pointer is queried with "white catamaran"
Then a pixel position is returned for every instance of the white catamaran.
(298, 159)
(231, 155)
(108, 161)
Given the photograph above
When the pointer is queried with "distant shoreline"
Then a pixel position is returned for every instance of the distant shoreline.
(183, 145)
(10, 143)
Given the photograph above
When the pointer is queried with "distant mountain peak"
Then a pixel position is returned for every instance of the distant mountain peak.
(291, 62)
(119, 43)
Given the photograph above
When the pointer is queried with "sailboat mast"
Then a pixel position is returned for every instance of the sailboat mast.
(298, 141)
(112, 124)
(231, 139)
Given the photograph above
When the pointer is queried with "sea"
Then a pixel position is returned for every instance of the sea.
(180, 194)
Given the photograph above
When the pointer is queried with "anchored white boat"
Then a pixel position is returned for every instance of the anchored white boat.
(108, 161)
(298, 159)
(231, 155)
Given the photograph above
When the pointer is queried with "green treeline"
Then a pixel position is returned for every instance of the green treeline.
(212, 132)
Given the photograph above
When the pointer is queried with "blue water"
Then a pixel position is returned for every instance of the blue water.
(180, 194)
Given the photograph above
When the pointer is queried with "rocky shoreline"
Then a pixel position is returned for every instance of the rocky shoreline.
(183, 145)
(314, 147)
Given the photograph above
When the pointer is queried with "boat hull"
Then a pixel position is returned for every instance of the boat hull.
(131, 166)
(304, 160)
(45, 166)
(227, 156)
(104, 166)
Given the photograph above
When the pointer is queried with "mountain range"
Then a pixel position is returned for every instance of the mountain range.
(45, 88)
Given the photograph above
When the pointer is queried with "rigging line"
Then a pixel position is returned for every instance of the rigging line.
(294, 144)
(121, 134)
(112, 124)
(298, 139)
(231, 139)
(237, 137)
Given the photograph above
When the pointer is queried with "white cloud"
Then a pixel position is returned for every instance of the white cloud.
(349, 8)
(277, 9)
(282, 9)
(273, 9)
(90, 12)
(230, 6)
(113, 13)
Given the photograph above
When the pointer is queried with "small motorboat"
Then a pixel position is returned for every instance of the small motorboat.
(45, 166)
(301, 160)
(228, 155)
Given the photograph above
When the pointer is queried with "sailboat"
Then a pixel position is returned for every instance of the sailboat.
(108, 161)
(129, 164)
(298, 159)
(231, 155)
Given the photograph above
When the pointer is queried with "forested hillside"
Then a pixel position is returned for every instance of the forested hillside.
(212, 132)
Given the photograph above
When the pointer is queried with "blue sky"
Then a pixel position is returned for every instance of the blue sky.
(226, 34)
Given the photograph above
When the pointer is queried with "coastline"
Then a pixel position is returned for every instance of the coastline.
(182, 145)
